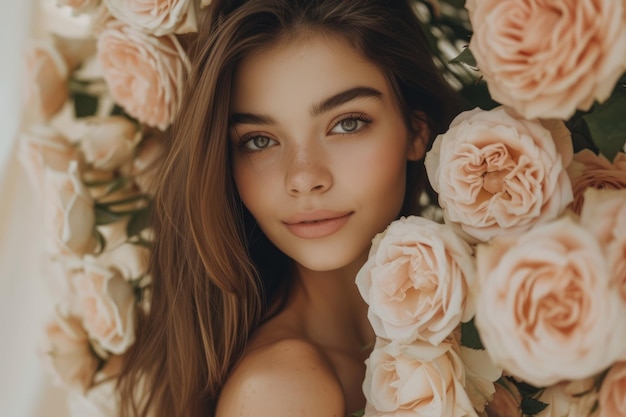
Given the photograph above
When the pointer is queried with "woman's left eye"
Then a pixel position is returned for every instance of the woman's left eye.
(350, 124)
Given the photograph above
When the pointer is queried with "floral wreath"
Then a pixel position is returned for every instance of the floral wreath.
(508, 298)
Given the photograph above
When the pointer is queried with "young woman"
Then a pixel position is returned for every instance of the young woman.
(300, 138)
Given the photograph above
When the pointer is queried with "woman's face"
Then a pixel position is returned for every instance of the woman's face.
(320, 149)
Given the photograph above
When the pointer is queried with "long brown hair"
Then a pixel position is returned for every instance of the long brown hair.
(214, 273)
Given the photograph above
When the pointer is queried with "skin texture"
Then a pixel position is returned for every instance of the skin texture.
(293, 157)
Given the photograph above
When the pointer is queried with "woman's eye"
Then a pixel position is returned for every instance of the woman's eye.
(258, 143)
(349, 125)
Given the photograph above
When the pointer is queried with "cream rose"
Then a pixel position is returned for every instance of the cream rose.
(66, 353)
(419, 378)
(45, 80)
(546, 310)
(69, 212)
(145, 165)
(547, 59)
(569, 399)
(497, 173)
(107, 304)
(80, 6)
(417, 281)
(41, 148)
(144, 73)
(109, 142)
(157, 17)
(589, 170)
(612, 397)
(604, 214)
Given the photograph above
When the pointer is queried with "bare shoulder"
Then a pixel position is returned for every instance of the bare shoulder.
(284, 378)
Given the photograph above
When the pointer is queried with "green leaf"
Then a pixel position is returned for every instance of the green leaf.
(465, 57)
(85, 105)
(527, 390)
(139, 221)
(607, 123)
(470, 337)
(359, 413)
(104, 216)
(532, 406)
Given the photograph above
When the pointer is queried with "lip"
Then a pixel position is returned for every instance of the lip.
(317, 224)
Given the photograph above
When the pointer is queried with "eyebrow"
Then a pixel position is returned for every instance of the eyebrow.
(324, 106)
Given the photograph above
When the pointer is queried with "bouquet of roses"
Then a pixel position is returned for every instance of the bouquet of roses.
(96, 110)
(516, 305)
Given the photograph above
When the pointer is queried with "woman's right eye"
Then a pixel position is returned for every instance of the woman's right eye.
(258, 143)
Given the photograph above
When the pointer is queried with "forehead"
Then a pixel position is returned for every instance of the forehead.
(302, 70)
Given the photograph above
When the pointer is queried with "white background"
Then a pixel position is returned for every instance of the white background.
(24, 386)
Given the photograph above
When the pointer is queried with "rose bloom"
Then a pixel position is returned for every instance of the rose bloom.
(547, 311)
(145, 164)
(498, 173)
(69, 212)
(612, 397)
(109, 142)
(107, 304)
(506, 402)
(589, 170)
(41, 148)
(67, 354)
(157, 17)
(45, 80)
(604, 214)
(417, 379)
(546, 59)
(417, 281)
(144, 73)
(569, 399)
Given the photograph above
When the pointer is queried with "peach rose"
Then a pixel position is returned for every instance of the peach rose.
(417, 379)
(69, 212)
(589, 170)
(547, 59)
(546, 310)
(110, 141)
(569, 399)
(107, 304)
(67, 353)
(160, 17)
(45, 80)
(417, 280)
(506, 402)
(604, 214)
(41, 148)
(612, 397)
(145, 165)
(144, 73)
(497, 173)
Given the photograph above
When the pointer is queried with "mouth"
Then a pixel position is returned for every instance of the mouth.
(317, 224)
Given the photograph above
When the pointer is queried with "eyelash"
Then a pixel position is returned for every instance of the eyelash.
(359, 117)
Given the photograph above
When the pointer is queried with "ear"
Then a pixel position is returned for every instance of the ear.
(419, 137)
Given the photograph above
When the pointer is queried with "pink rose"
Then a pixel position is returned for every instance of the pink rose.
(546, 310)
(109, 142)
(45, 80)
(497, 173)
(107, 304)
(417, 379)
(144, 73)
(416, 281)
(604, 214)
(547, 59)
(595, 171)
(156, 17)
(612, 397)
(67, 353)
(41, 148)
(506, 402)
(69, 212)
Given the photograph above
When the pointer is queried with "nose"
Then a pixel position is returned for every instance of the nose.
(308, 173)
